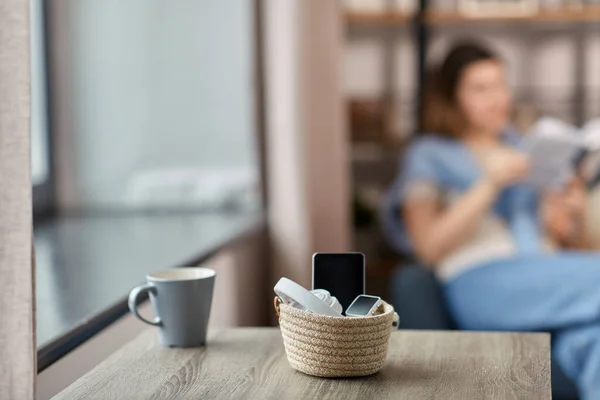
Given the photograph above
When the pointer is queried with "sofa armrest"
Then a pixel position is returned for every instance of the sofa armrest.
(417, 297)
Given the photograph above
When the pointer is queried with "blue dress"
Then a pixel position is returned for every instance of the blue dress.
(528, 291)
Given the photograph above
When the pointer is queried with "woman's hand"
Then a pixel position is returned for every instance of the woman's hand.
(504, 167)
(571, 201)
(576, 198)
(564, 213)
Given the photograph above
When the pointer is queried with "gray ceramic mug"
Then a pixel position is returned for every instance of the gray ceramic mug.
(181, 299)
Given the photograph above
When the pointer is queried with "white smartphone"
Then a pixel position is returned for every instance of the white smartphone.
(341, 274)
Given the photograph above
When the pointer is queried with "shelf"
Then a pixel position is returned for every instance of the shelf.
(375, 18)
(585, 14)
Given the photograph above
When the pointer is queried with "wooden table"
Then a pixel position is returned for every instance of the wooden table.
(251, 363)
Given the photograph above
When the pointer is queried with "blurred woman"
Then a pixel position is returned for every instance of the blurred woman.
(497, 247)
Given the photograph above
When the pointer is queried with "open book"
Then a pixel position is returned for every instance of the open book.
(558, 150)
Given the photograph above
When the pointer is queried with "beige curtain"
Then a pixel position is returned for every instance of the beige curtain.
(17, 324)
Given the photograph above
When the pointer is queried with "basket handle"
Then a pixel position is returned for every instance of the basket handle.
(276, 302)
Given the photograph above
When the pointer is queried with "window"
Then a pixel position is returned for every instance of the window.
(41, 176)
(161, 105)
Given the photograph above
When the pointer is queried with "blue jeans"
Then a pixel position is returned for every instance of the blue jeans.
(557, 293)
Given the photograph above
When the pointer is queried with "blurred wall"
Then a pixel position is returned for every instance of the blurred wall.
(149, 85)
(306, 140)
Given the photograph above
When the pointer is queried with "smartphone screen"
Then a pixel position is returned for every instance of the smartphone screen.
(342, 274)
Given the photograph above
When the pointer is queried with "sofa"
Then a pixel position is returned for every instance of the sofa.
(418, 299)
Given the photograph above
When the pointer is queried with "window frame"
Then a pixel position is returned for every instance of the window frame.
(43, 194)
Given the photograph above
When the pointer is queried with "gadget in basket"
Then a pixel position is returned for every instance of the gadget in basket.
(290, 292)
(328, 299)
(325, 297)
(342, 274)
(364, 305)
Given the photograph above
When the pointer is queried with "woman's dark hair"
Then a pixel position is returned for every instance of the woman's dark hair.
(440, 114)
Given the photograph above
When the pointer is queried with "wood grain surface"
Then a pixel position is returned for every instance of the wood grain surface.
(250, 363)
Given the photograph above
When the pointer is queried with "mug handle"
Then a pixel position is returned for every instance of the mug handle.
(133, 296)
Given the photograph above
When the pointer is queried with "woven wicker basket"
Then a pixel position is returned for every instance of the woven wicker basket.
(334, 347)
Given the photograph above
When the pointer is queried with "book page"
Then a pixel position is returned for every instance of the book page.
(591, 134)
(591, 163)
(552, 146)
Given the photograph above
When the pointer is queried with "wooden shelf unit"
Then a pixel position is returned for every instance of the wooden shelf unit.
(583, 14)
(375, 18)
(589, 13)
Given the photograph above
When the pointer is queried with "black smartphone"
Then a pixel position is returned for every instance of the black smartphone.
(342, 274)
